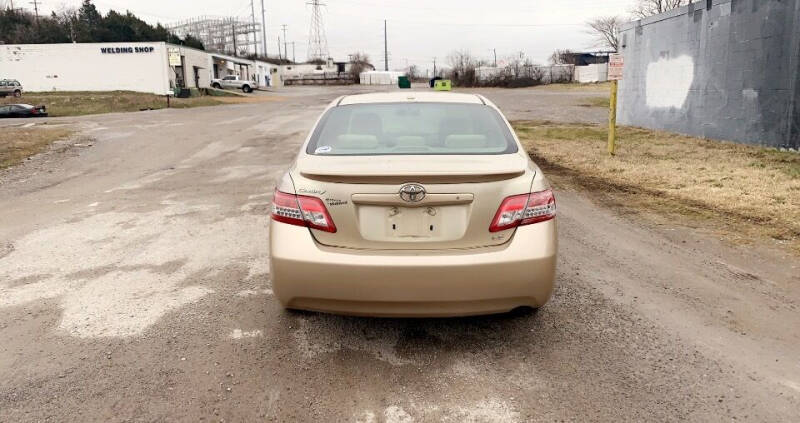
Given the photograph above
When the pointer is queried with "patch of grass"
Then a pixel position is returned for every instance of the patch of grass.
(575, 86)
(745, 192)
(88, 103)
(604, 102)
(17, 144)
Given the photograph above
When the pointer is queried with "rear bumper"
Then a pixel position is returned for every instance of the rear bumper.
(307, 275)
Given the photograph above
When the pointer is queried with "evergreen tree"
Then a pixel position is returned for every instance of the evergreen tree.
(84, 25)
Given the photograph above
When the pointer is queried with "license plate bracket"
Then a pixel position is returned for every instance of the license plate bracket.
(417, 222)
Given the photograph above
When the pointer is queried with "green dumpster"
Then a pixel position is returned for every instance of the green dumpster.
(403, 82)
(443, 85)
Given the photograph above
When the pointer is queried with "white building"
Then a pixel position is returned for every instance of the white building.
(380, 77)
(596, 72)
(300, 70)
(151, 67)
(330, 69)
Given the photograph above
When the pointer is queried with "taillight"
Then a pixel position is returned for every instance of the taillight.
(301, 210)
(524, 209)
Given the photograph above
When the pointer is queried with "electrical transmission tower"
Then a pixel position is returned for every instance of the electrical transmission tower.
(317, 41)
(221, 34)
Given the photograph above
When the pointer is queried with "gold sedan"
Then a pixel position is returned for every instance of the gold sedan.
(413, 204)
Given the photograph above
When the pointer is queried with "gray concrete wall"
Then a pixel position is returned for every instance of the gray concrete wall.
(724, 69)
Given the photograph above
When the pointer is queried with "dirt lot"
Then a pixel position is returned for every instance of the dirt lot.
(134, 286)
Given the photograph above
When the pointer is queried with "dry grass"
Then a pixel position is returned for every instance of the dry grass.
(745, 192)
(604, 87)
(603, 101)
(89, 103)
(17, 144)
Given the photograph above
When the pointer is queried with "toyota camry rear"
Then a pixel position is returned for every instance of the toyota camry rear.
(413, 204)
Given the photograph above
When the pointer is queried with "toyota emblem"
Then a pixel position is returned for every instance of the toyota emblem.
(412, 193)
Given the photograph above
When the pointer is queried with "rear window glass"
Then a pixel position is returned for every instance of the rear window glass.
(411, 129)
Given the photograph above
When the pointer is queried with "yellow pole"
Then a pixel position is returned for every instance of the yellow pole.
(612, 119)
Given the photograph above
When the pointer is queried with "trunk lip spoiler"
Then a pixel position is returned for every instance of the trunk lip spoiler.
(405, 177)
(393, 199)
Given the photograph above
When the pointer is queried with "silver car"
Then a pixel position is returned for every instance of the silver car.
(232, 81)
(10, 87)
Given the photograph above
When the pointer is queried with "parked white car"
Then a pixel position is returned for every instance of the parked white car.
(232, 81)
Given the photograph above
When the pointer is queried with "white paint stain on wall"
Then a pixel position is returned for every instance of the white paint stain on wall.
(669, 82)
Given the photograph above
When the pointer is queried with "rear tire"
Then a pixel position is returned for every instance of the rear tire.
(17, 93)
(216, 86)
(247, 89)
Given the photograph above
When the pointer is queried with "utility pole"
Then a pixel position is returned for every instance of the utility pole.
(35, 4)
(233, 28)
(495, 56)
(264, 28)
(285, 51)
(434, 67)
(279, 47)
(385, 47)
(253, 18)
(294, 58)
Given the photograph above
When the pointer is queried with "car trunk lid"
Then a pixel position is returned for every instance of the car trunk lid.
(461, 196)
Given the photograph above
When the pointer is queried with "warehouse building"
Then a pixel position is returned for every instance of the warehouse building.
(151, 67)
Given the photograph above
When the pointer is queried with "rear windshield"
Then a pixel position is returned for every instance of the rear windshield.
(412, 129)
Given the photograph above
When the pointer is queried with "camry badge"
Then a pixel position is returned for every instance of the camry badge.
(412, 193)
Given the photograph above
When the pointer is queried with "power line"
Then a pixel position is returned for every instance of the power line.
(474, 24)
(592, 8)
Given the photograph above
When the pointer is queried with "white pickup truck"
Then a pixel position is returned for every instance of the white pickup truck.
(232, 81)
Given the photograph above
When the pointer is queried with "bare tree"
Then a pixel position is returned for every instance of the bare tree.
(413, 73)
(463, 68)
(359, 62)
(461, 61)
(562, 57)
(606, 31)
(645, 8)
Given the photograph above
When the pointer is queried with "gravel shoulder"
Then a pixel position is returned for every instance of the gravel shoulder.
(134, 286)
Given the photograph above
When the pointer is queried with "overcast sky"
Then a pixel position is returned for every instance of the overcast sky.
(419, 30)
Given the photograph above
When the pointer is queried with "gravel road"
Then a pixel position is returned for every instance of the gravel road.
(134, 286)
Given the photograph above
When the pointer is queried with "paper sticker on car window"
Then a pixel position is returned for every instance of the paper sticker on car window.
(323, 149)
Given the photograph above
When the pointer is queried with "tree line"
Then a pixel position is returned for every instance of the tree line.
(521, 71)
(83, 25)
